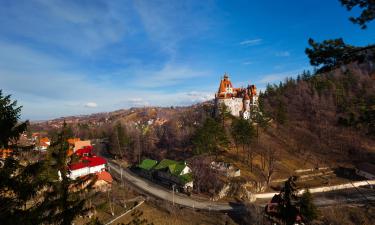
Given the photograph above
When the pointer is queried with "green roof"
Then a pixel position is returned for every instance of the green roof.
(147, 164)
(174, 167)
(186, 178)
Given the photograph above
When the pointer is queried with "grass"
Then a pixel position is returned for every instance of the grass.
(167, 214)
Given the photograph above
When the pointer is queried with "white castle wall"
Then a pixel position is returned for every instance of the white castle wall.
(234, 105)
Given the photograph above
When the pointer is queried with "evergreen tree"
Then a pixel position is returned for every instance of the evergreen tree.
(19, 183)
(210, 138)
(243, 134)
(308, 210)
(63, 199)
(367, 14)
(224, 113)
(10, 127)
(330, 53)
(287, 207)
(32, 193)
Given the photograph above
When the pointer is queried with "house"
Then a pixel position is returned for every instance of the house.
(81, 144)
(77, 143)
(85, 151)
(44, 143)
(240, 102)
(178, 172)
(366, 170)
(103, 182)
(87, 165)
(168, 172)
(146, 167)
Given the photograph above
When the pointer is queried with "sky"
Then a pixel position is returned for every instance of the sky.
(61, 58)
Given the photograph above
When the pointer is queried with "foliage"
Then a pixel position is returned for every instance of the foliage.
(224, 113)
(367, 14)
(210, 138)
(307, 208)
(330, 53)
(293, 207)
(243, 132)
(9, 125)
(31, 193)
(20, 184)
(63, 200)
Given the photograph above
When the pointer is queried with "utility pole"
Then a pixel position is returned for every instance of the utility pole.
(173, 193)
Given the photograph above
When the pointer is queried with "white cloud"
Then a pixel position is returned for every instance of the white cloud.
(196, 96)
(170, 74)
(169, 23)
(48, 88)
(248, 62)
(91, 105)
(251, 42)
(283, 54)
(72, 25)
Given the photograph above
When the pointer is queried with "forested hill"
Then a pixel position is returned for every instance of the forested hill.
(330, 113)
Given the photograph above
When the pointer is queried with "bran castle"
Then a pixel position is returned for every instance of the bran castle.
(239, 101)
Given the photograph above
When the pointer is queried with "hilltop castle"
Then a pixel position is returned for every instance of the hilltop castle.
(239, 101)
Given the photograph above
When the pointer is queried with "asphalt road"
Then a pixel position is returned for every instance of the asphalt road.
(165, 194)
(349, 196)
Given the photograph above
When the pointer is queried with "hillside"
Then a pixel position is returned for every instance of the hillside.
(330, 115)
(321, 120)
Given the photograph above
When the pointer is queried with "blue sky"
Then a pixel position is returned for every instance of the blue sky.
(60, 58)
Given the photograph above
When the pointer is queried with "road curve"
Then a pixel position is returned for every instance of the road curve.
(167, 195)
(348, 196)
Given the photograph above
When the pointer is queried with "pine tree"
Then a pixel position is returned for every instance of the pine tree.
(10, 127)
(33, 193)
(63, 200)
(210, 138)
(308, 210)
(367, 14)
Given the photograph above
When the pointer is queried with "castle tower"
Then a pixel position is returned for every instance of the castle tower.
(239, 101)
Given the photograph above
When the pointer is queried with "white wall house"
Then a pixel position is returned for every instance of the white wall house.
(86, 171)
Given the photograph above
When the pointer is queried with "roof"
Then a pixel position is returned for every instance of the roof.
(88, 162)
(45, 139)
(186, 178)
(147, 164)
(174, 167)
(224, 83)
(73, 140)
(104, 175)
(86, 149)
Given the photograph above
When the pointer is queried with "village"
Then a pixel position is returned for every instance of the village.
(187, 112)
(91, 161)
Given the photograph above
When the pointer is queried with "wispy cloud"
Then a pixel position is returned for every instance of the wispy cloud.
(251, 42)
(169, 23)
(282, 54)
(91, 105)
(46, 84)
(74, 26)
(248, 62)
(169, 75)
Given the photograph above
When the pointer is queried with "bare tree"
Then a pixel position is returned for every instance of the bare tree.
(270, 157)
